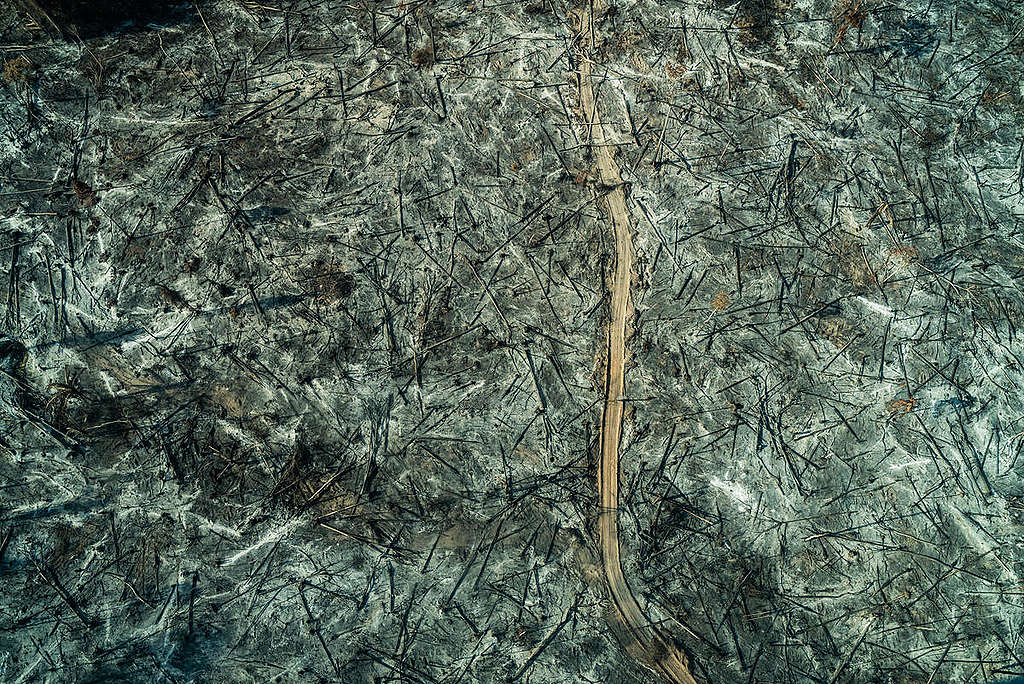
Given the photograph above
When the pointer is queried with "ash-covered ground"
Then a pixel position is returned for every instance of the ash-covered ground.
(304, 340)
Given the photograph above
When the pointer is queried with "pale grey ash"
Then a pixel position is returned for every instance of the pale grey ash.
(304, 332)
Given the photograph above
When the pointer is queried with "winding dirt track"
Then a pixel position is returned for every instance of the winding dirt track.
(647, 642)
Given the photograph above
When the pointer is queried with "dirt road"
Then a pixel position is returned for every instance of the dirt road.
(654, 649)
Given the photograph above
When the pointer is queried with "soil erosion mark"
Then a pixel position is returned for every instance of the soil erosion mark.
(647, 642)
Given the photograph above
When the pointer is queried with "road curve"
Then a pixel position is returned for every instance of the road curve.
(648, 643)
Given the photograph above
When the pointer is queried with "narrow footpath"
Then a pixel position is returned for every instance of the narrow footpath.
(653, 648)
